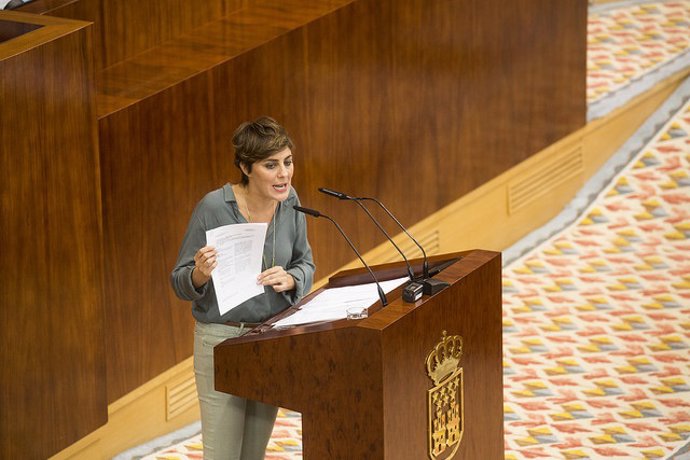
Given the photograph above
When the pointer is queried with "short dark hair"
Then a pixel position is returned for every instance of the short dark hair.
(257, 140)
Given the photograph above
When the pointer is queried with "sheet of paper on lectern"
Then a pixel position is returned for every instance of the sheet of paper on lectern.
(332, 304)
(240, 249)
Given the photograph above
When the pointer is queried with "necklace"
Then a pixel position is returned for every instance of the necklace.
(275, 230)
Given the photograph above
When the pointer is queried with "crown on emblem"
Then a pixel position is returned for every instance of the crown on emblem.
(443, 360)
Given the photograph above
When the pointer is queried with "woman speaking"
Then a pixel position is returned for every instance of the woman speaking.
(236, 428)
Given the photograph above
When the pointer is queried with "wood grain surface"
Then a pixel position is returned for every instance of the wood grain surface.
(125, 29)
(52, 342)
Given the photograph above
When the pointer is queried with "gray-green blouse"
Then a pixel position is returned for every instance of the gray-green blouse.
(292, 252)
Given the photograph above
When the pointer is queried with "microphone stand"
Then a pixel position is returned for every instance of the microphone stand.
(315, 213)
(410, 272)
(431, 285)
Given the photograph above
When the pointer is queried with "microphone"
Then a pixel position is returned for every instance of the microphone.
(311, 212)
(342, 196)
(431, 285)
(315, 213)
(338, 195)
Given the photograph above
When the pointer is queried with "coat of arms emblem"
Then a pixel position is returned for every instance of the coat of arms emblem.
(445, 399)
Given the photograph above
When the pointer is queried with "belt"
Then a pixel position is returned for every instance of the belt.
(244, 325)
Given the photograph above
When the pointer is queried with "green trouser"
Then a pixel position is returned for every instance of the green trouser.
(232, 428)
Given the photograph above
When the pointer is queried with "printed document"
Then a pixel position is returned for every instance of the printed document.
(240, 249)
(332, 304)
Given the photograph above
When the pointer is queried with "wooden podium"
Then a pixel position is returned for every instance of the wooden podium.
(363, 386)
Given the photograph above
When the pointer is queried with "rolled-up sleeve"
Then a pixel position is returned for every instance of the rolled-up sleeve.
(181, 277)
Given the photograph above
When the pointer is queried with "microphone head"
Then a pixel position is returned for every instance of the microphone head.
(338, 195)
(311, 212)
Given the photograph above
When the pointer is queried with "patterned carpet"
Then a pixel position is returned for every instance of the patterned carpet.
(625, 43)
(597, 318)
(630, 47)
(286, 442)
(597, 313)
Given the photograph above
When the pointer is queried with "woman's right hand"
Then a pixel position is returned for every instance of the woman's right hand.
(205, 260)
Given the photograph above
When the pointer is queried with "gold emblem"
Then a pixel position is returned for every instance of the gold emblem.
(445, 399)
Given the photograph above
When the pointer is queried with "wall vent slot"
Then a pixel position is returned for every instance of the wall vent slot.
(180, 396)
(544, 179)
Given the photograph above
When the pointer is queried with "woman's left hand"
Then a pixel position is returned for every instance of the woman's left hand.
(277, 278)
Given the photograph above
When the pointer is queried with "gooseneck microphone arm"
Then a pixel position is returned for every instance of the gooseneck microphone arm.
(410, 272)
(343, 196)
(315, 213)
(425, 266)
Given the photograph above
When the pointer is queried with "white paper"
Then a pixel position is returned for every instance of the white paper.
(240, 249)
(332, 304)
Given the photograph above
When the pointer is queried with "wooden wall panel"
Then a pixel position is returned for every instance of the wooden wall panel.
(148, 175)
(52, 376)
(124, 29)
(414, 102)
(83, 10)
(130, 29)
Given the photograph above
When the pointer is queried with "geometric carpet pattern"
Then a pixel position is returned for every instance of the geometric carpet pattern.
(597, 319)
(627, 42)
(285, 444)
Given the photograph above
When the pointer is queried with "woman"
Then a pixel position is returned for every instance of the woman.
(232, 427)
